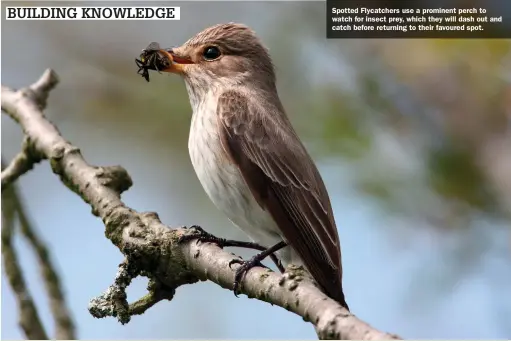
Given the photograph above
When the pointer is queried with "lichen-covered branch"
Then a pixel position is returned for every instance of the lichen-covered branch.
(152, 249)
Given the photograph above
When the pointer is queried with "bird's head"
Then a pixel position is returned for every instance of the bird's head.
(222, 53)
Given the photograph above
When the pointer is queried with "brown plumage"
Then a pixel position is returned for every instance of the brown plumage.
(249, 158)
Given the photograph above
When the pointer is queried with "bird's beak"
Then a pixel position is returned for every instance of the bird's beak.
(177, 62)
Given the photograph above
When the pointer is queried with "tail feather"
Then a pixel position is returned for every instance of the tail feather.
(342, 301)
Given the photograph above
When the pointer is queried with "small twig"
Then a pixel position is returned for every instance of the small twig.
(28, 316)
(64, 326)
(157, 292)
(22, 163)
(38, 92)
(44, 85)
(113, 302)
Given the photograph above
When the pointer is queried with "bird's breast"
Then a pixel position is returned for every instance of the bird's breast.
(218, 175)
(221, 178)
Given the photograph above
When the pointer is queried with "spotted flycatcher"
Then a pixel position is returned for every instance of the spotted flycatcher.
(249, 158)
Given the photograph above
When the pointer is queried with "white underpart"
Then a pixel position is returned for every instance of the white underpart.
(221, 179)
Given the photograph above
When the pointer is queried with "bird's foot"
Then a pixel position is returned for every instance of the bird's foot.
(243, 269)
(254, 261)
(202, 236)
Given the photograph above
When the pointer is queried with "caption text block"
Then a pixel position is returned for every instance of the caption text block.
(408, 19)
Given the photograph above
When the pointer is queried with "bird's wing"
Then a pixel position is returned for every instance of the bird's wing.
(285, 182)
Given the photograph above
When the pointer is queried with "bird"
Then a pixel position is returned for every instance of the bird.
(249, 158)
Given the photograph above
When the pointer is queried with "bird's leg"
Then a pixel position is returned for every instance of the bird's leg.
(202, 236)
(254, 261)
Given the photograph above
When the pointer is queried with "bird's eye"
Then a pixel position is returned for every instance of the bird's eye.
(211, 53)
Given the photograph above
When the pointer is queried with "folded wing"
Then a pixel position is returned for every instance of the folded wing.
(285, 182)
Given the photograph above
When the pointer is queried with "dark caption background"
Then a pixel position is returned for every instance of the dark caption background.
(494, 8)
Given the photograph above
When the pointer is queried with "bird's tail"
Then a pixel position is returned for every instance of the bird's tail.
(335, 291)
(342, 301)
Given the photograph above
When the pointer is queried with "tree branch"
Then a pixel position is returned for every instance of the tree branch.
(152, 249)
(28, 316)
(64, 326)
(22, 163)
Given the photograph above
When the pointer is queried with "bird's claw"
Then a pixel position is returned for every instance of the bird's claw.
(201, 236)
(243, 269)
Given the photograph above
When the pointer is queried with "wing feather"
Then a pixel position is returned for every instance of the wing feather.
(286, 183)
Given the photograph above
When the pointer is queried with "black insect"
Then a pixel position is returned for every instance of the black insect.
(151, 58)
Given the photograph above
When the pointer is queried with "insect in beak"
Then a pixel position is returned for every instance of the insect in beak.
(152, 58)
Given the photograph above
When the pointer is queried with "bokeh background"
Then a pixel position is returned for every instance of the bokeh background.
(412, 137)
